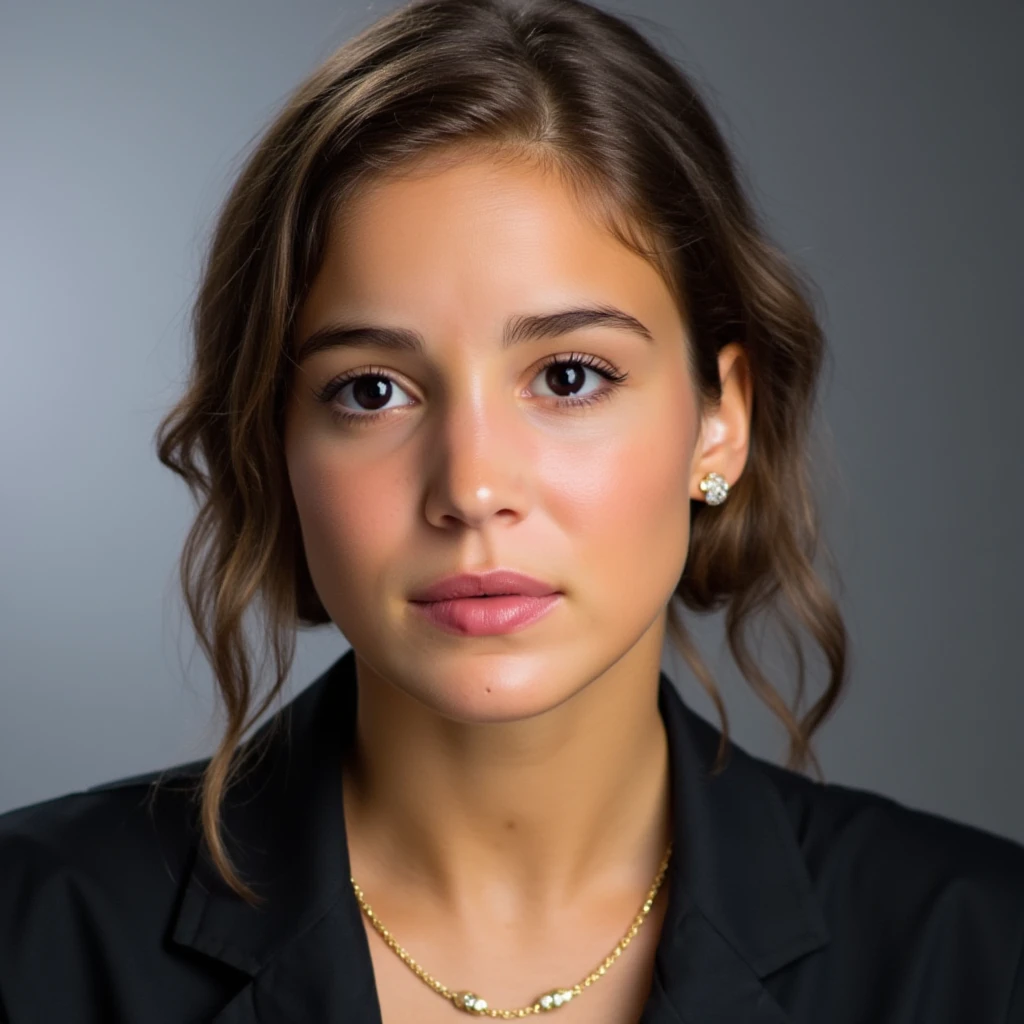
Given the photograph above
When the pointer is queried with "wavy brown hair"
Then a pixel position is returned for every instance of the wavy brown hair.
(584, 92)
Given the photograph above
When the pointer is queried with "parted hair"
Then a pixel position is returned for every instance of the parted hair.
(585, 93)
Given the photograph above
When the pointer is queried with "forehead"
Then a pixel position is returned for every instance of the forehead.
(470, 241)
(462, 246)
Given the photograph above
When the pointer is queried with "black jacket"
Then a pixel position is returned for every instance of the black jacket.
(790, 901)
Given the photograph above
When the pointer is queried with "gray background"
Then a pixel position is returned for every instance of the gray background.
(883, 142)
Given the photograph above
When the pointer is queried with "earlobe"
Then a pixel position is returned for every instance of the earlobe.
(715, 488)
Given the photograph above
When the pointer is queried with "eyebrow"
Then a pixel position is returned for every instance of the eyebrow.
(518, 328)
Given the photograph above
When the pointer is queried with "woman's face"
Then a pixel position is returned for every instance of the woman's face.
(465, 453)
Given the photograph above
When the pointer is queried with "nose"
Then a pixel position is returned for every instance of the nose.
(477, 466)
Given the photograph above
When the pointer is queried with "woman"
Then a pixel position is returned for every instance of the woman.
(492, 361)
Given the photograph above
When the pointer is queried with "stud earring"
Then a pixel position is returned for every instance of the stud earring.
(715, 488)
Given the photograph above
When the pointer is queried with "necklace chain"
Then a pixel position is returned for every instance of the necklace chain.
(552, 1000)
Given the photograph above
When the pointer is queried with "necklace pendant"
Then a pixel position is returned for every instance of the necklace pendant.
(470, 1002)
(556, 998)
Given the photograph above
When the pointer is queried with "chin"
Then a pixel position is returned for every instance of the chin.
(497, 687)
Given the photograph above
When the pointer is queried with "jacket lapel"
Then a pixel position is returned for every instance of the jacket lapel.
(306, 949)
(322, 975)
(741, 903)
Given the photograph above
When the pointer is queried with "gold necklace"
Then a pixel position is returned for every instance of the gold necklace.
(472, 1003)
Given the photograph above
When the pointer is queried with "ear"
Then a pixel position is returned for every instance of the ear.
(724, 439)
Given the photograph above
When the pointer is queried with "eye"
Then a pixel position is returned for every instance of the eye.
(566, 376)
(373, 388)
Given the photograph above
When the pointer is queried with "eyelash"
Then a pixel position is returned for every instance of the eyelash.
(605, 370)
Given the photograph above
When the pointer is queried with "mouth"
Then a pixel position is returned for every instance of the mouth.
(498, 583)
(487, 614)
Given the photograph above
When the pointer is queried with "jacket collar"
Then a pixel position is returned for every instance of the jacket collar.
(741, 903)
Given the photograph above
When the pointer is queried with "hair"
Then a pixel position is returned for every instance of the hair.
(579, 91)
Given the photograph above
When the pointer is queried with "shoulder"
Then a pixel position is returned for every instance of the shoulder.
(89, 880)
(878, 837)
(96, 831)
(925, 893)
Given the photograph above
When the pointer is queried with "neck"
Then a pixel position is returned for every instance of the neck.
(517, 817)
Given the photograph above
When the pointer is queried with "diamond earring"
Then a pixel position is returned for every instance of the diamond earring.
(715, 488)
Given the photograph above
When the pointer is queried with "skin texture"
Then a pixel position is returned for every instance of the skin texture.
(507, 796)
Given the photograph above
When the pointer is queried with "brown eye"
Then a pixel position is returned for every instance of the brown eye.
(359, 395)
(371, 392)
(566, 378)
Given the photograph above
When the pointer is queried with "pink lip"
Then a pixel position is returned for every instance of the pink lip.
(485, 604)
(486, 616)
(488, 584)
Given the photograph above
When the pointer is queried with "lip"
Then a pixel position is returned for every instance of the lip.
(486, 616)
(495, 583)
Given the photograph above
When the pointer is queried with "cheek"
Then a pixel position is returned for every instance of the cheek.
(624, 508)
(351, 516)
